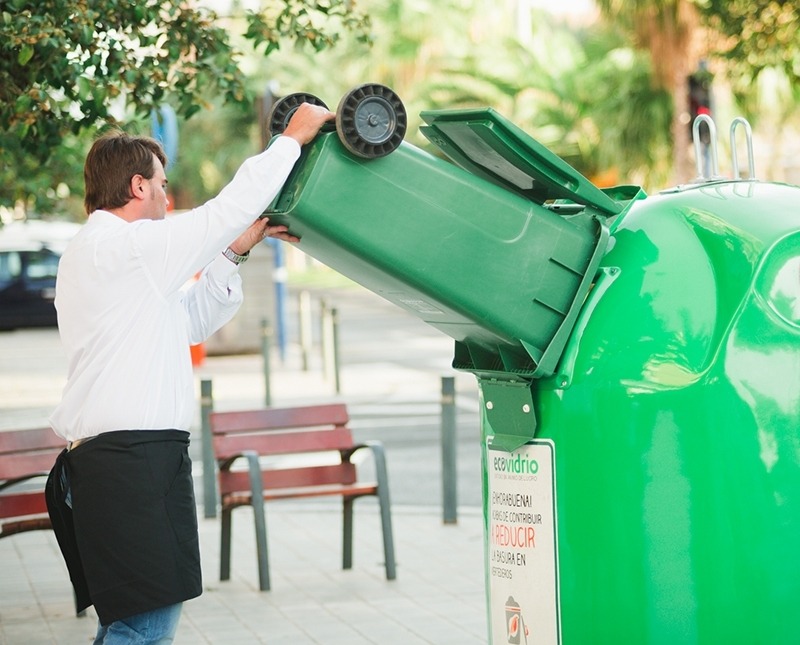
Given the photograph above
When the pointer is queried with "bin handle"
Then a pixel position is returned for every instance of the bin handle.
(698, 152)
(748, 134)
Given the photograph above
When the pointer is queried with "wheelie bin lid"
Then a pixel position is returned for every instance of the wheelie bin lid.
(486, 144)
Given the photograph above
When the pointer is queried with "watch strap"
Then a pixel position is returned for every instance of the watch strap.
(234, 257)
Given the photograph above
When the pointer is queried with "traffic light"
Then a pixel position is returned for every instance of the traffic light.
(264, 105)
(700, 100)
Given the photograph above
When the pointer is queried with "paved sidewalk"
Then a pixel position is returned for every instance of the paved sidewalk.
(391, 370)
(438, 596)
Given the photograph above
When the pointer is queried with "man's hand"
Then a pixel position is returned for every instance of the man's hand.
(306, 122)
(257, 232)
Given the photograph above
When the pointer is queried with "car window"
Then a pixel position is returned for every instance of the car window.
(42, 265)
(10, 267)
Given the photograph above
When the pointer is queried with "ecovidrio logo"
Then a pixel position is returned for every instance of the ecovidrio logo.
(517, 464)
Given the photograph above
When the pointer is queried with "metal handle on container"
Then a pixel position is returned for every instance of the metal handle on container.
(698, 153)
(748, 133)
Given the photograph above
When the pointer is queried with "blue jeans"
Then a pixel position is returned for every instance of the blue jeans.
(155, 627)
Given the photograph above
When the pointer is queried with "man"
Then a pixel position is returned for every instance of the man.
(120, 496)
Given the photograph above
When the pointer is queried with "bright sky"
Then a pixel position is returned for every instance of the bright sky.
(565, 6)
(559, 7)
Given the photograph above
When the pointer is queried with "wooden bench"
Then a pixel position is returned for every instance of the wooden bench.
(315, 432)
(25, 455)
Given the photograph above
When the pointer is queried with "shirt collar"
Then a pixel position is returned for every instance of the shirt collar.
(105, 218)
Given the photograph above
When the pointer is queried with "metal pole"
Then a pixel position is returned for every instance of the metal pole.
(279, 277)
(327, 341)
(305, 328)
(266, 341)
(449, 489)
(335, 340)
(209, 467)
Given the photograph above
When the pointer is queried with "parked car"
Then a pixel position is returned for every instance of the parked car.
(29, 255)
(27, 288)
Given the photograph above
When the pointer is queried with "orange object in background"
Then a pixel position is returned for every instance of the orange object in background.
(198, 353)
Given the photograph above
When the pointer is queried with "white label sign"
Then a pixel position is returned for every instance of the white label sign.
(522, 553)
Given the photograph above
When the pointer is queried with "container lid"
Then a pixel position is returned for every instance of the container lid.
(486, 144)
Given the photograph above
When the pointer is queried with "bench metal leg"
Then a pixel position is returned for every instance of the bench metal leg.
(347, 537)
(388, 536)
(225, 545)
(261, 544)
(386, 513)
(260, 519)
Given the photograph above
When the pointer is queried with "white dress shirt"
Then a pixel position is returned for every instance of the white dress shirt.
(125, 321)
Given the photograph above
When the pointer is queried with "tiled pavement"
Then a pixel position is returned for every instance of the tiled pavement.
(438, 596)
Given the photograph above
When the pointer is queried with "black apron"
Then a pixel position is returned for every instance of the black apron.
(130, 539)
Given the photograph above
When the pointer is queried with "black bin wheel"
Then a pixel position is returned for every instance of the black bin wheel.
(286, 106)
(371, 121)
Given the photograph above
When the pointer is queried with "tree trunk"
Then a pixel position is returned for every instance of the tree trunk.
(683, 162)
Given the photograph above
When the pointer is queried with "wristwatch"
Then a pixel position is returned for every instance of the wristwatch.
(234, 257)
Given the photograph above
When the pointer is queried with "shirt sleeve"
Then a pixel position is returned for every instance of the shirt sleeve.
(213, 300)
(178, 247)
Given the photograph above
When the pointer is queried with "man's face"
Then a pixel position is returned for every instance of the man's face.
(157, 199)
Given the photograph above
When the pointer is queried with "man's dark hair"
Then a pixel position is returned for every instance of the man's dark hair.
(111, 163)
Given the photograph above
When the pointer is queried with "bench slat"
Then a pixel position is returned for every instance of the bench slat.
(289, 477)
(274, 442)
(29, 524)
(24, 464)
(232, 500)
(12, 441)
(272, 418)
(22, 504)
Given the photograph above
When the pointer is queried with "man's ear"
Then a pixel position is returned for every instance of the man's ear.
(137, 187)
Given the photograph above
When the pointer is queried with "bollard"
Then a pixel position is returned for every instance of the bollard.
(328, 350)
(304, 307)
(330, 344)
(280, 275)
(266, 342)
(449, 489)
(335, 350)
(209, 472)
(327, 340)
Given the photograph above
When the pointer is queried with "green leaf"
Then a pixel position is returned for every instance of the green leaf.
(25, 54)
(84, 87)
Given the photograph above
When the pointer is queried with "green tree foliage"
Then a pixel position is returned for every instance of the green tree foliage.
(603, 96)
(586, 93)
(71, 66)
(755, 34)
(751, 37)
(745, 36)
(602, 113)
(212, 146)
(665, 29)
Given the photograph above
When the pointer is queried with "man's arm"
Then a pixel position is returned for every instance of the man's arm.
(257, 232)
(178, 247)
(217, 296)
